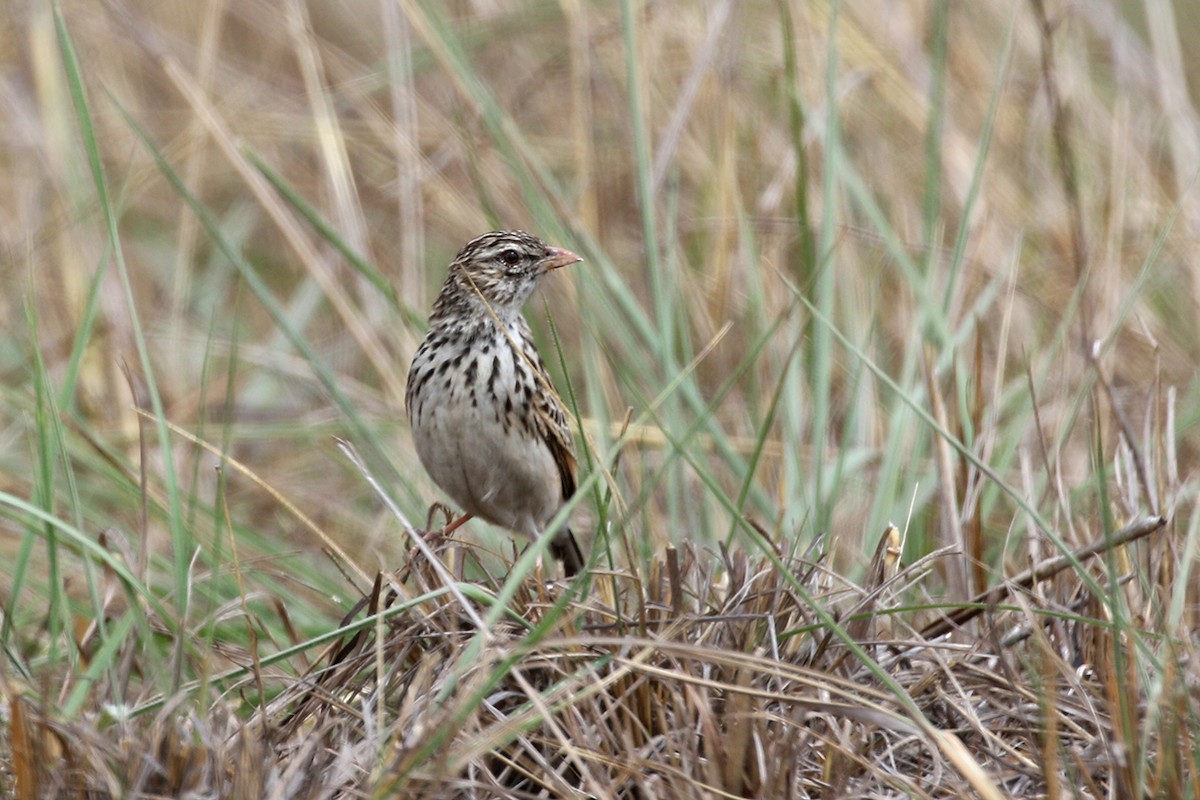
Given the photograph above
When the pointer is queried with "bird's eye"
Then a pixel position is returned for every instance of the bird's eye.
(510, 257)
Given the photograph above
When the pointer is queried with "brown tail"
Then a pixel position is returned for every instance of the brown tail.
(566, 549)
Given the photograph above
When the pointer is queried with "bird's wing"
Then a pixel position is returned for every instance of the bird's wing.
(552, 424)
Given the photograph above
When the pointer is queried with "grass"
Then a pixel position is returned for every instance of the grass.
(882, 361)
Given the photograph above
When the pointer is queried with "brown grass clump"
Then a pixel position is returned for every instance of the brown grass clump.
(666, 684)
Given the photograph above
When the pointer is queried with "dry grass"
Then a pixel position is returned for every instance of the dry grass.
(674, 683)
(932, 266)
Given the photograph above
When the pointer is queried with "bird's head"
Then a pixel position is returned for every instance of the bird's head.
(503, 268)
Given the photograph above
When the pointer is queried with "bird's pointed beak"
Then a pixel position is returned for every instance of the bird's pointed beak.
(560, 258)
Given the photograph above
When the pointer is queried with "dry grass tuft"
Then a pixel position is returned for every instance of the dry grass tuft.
(666, 684)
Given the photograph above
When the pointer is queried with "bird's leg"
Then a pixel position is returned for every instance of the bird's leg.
(437, 537)
(456, 524)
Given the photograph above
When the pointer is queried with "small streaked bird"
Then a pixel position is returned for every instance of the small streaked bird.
(488, 425)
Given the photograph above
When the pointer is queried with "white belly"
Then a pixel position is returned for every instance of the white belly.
(481, 449)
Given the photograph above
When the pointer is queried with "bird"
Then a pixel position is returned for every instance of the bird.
(487, 423)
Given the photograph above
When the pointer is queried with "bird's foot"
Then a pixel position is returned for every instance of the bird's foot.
(437, 537)
(434, 510)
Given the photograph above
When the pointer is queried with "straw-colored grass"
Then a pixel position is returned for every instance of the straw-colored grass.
(883, 363)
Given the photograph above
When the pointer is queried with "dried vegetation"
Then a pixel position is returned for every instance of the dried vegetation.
(933, 266)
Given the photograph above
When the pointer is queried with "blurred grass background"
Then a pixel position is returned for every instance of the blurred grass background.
(846, 264)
